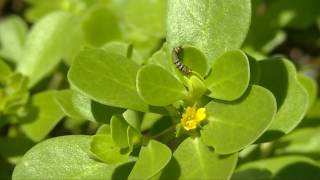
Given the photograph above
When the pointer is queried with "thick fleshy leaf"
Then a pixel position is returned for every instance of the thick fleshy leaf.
(213, 26)
(147, 16)
(124, 49)
(43, 115)
(301, 141)
(279, 76)
(74, 105)
(65, 157)
(195, 59)
(281, 168)
(119, 128)
(106, 150)
(152, 159)
(158, 87)
(13, 32)
(310, 85)
(46, 44)
(100, 25)
(235, 125)
(78, 106)
(134, 137)
(107, 78)
(163, 58)
(195, 160)
(230, 76)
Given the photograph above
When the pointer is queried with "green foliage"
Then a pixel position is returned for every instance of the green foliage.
(43, 114)
(231, 127)
(106, 68)
(233, 66)
(194, 160)
(199, 23)
(63, 158)
(13, 32)
(105, 83)
(100, 20)
(292, 98)
(287, 167)
(45, 45)
(155, 156)
(158, 87)
(105, 149)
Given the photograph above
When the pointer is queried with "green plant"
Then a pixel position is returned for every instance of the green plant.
(154, 121)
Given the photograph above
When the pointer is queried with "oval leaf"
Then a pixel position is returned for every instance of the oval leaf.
(195, 160)
(233, 126)
(13, 32)
(230, 76)
(105, 149)
(213, 26)
(147, 16)
(158, 87)
(195, 59)
(106, 78)
(100, 25)
(311, 86)
(279, 76)
(64, 157)
(152, 159)
(47, 42)
(79, 106)
(44, 114)
(119, 128)
(284, 168)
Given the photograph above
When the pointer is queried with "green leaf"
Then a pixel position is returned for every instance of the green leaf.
(134, 137)
(78, 106)
(104, 129)
(100, 25)
(279, 76)
(213, 26)
(44, 113)
(158, 87)
(106, 150)
(124, 49)
(301, 141)
(230, 76)
(65, 157)
(37, 9)
(14, 94)
(195, 160)
(119, 128)
(235, 125)
(5, 70)
(47, 42)
(163, 58)
(74, 104)
(133, 118)
(195, 59)
(13, 32)
(147, 16)
(280, 168)
(106, 78)
(152, 159)
(311, 86)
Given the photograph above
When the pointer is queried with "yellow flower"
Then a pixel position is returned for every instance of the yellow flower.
(192, 117)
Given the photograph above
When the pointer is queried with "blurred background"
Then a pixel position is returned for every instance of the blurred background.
(289, 28)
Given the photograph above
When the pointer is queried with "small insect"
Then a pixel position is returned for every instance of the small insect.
(179, 64)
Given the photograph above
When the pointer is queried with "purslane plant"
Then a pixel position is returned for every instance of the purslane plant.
(157, 121)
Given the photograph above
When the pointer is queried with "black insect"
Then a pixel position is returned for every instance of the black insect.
(179, 64)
